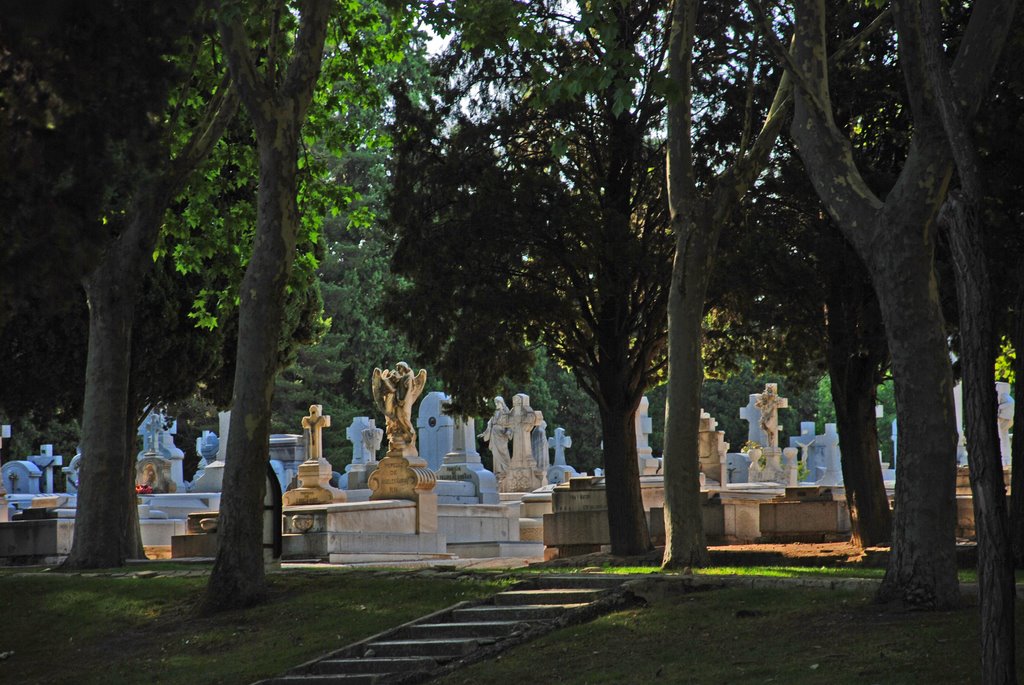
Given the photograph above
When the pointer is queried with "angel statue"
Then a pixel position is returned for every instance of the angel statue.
(395, 392)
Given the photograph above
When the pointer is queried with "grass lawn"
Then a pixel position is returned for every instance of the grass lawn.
(738, 635)
(79, 630)
(129, 629)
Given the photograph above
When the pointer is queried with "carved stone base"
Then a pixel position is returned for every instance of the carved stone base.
(401, 478)
(314, 486)
(523, 479)
(767, 467)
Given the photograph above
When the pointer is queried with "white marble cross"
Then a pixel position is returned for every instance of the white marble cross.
(560, 443)
(315, 423)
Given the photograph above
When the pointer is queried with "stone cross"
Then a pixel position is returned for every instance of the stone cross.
(560, 443)
(769, 403)
(354, 433)
(315, 423)
(830, 451)
(524, 419)
(752, 415)
(150, 430)
(372, 437)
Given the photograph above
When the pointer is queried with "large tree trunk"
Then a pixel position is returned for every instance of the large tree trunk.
(857, 352)
(685, 542)
(101, 518)
(107, 519)
(997, 592)
(277, 112)
(896, 240)
(697, 219)
(922, 565)
(627, 523)
(1017, 445)
(237, 578)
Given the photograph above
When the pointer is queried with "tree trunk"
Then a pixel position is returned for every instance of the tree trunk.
(101, 518)
(685, 542)
(627, 523)
(922, 566)
(237, 578)
(277, 112)
(1017, 445)
(856, 354)
(997, 592)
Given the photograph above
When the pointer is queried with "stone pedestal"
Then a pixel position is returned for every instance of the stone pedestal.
(401, 477)
(766, 466)
(314, 485)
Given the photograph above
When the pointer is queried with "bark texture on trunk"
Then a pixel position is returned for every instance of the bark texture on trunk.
(895, 238)
(277, 112)
(107, 519)
(996, 584)
(960, 219)
(627, 522)
(685, 541)
(922, 565)
(697, 220)
(101, 517)
(857, 353)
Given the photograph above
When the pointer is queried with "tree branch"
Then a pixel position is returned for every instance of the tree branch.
(307, 55)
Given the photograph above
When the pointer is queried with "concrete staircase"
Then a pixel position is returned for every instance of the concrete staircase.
(446, 640)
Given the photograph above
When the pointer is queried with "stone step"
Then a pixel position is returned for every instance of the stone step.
(371, 665)
(446, 647)
(581, 580)
(546, 596)
(343, 679)
(477, 629)
(526, 612)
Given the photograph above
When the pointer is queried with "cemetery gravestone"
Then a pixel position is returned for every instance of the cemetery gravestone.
(365, 438)
(435, 429)
(649, 465)
(522, 474)
(463, 463)
(560, 471)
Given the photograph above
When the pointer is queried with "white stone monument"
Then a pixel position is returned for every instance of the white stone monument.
(522, 474)
(212, 477)
(435, 429)
(463, 463)
(497, 434)
(366, 439)
(560, 471)
(766, 460)
(648, 464)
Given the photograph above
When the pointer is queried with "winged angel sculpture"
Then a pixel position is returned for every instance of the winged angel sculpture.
(395, 392)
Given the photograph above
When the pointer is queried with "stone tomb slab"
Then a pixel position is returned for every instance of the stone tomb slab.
(35, 540)
(477, 523)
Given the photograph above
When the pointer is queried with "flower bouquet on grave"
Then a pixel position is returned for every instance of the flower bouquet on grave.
(143, 489)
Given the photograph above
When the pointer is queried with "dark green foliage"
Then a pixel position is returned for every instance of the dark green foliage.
(529, 207)
(82, 89)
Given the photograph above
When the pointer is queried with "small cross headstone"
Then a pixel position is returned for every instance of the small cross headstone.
(560, 443)
(315, 423)
(365, 438)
